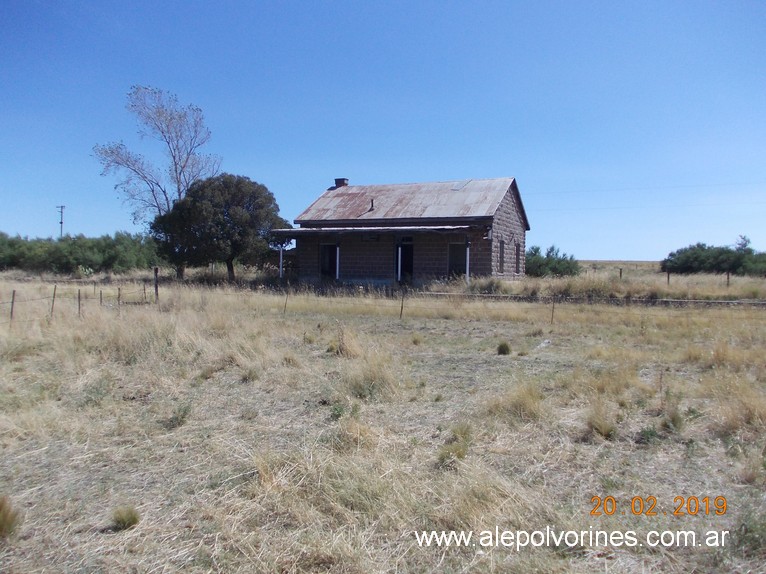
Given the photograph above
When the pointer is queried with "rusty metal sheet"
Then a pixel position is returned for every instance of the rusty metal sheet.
(301, 231)
(473, 198)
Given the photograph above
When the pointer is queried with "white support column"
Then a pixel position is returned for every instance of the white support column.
(281, 267)
(467, 261)
(337, 262)
(399, 263)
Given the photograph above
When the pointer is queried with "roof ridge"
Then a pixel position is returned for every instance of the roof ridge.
(428, 182)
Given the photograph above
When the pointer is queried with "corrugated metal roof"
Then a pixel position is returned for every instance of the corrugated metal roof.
(300, 231)
(472, 198)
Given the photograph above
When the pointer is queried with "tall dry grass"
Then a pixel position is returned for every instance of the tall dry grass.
(222, 420)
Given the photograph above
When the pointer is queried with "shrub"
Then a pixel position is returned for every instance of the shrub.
(700, 258)
(504, 348)
(552, 263)
(124, 517)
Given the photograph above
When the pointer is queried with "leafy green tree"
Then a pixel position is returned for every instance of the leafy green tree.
(701, 258)
(553, 263)
(223, 218)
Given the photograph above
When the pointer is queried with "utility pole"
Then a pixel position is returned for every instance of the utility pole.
(61, 222)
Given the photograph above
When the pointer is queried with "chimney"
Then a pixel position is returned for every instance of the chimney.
(341, 182)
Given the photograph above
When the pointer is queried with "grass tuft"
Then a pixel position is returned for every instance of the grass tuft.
(10, 519)
(179, 416)
(504, 348)
(345, 345)
(372, 379)
(601, 421)
(524, 403)
(456, 446)
(124, 517)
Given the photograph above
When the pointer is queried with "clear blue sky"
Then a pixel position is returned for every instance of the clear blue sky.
(633, 128)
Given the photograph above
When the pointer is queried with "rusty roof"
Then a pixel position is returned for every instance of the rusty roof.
(303, 231)
(468, 199)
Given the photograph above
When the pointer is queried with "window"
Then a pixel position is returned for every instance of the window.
(518, 259)
(501, 266)
(456, 259)
(328, 260)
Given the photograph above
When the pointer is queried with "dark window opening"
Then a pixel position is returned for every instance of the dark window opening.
(456, 259)
(501, 266)
(328, 261)
(407, 262)
(518, 259)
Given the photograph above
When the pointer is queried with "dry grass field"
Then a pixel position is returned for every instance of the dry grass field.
(243, 431)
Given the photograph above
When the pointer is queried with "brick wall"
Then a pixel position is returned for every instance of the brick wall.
(508, 227)
(364, 261)
(431, 254)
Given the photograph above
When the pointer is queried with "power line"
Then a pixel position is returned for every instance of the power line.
(652, 205)
(645, 188)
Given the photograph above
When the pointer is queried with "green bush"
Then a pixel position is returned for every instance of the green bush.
(78, 255)
(552, 263)
(700, 258)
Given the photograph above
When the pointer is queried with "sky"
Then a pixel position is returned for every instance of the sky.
(632, 128)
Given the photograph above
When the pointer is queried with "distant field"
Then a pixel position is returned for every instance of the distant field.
(258, 432)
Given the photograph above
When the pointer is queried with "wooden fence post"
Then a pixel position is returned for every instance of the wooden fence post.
(119, 300)
(156, 284)
(100, 297)
(79, 305)
(401, 309)
(13, 302)
(553, 308)
(53, 302)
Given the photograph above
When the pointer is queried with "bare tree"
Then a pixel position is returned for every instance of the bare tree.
(151, 190)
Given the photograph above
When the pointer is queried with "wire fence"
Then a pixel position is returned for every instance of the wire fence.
(17, 309)
(20, 308)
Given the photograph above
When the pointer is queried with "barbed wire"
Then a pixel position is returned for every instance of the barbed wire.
(477, 306)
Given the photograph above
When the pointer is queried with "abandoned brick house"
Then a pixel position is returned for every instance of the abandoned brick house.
(411, 233)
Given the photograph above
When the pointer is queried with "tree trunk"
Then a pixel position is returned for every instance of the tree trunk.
(230, 269)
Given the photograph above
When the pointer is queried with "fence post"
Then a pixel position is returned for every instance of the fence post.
(287, 294)
(13, 302)
(620, 273)
(79, 305)
(144, 291)
(156, 284)
(119, 300)
(100, 297)
(53, 302)
(553, 308)
(401, 309)
(668, 277)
